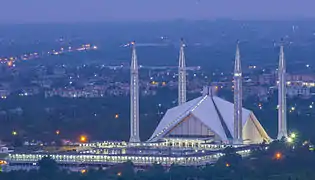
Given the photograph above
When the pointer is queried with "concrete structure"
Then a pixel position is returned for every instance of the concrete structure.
(208, 117)
(282, 111)
(145, 154)
(134, 97)
(238, 128)
(181, 75)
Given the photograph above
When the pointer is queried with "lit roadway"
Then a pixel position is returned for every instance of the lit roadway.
(35, 55)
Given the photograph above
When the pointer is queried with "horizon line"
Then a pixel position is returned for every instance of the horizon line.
(162, 20)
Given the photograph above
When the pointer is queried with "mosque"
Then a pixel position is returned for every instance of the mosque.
(194, 133)
(209, 118)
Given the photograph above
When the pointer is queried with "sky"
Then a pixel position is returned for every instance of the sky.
(30, 11)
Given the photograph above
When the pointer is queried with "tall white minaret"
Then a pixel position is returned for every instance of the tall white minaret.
(238, 126)
(134, 97)
(181, 75)
(282, 111)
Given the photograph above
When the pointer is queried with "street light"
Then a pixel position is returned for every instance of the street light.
(83, 138)
(289, 140)
(278, 156)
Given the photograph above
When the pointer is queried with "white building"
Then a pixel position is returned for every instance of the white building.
(208, 117)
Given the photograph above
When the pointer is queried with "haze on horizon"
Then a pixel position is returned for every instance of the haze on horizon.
(33, 11)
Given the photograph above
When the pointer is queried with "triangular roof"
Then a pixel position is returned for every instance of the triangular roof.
(214, 112)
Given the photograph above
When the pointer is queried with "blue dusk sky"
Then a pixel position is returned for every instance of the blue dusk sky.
(30, 11)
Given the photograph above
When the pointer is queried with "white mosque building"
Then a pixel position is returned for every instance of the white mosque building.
(209, 117)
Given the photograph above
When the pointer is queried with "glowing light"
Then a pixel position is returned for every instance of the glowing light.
(293, 135)
(83, 138)
(305, 143)
(163, 83)
(3, 162)
(292, 108)
(57, 132)
(83, 171)
(116, 116)
(278, 156)
(311, 106)
(227, 165)
(119, 174)
(10, 63)
(14, 133)
(289, 140)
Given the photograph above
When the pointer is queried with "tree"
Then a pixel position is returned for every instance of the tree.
(229, 165)
(48, 167)
(122, 171)
(155, 172)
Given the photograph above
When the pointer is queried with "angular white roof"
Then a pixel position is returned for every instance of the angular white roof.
(216, 113)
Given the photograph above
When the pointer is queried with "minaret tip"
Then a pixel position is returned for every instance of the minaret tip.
(182, 43)
(281, 44)
(281, 57)
(133, 44)
(237, 65)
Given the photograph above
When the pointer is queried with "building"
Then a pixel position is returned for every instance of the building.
(267, 79)
(302, 91)
(208, 117)
(301, 77)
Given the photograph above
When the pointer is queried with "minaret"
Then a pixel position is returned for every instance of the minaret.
(181, 75)
(238, 126)
(134, 97)
(282, 111)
